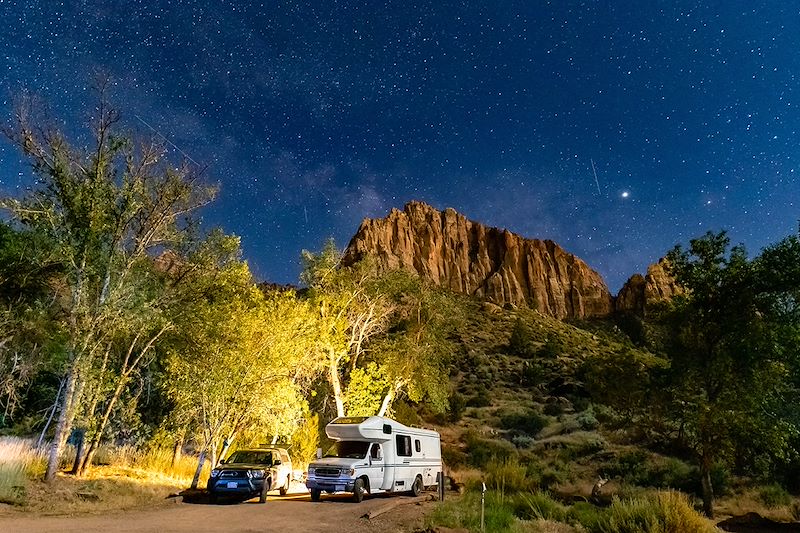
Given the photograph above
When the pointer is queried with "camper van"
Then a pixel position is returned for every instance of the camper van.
(374, 454)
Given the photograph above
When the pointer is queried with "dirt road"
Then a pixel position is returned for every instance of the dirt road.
(292, 513)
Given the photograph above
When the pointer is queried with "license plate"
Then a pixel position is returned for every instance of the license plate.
(232, 485)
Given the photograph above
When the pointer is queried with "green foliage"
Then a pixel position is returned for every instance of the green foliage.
(480, 450)
(774, 496)
(466, 513)
(305, 440)
(663, 512)
(528, 422)
(365, 390)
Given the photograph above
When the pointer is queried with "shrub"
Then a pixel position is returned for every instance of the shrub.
(528, 422)
(774, 496)
(20, 461)
(480, 451)
(457, 405)
(453, 457)
(508, 476)
(539, 505)
(466, 513)
(663, 512)
(522, 339)
(587, 419)
(522, 441)
(481, 398)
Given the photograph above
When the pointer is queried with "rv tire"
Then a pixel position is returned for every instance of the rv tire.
(416, 487)
(358, 490)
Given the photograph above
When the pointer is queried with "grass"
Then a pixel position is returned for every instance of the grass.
(657, 512)
(122, 478)
(20, 461)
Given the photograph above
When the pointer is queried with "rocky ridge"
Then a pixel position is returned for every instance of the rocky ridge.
(490, 263)
(497, 265)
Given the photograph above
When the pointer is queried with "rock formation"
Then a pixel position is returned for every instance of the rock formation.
(640, 292)
(490, 263)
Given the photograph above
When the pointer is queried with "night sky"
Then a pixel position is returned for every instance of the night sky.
(314, 115)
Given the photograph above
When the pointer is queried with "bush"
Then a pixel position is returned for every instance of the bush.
(508, 476)
(774, 496)
(529, 422)
(664, 512)
(587, 420)
(481, 398)
(480, 451)
(457, 405)
(453, 457)
(522, 340)
(540, 506)
(466, 513)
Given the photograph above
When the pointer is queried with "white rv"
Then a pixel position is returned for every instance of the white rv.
(373, 455)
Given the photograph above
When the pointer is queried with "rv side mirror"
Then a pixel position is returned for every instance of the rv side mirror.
(319, 453)
(222, 461)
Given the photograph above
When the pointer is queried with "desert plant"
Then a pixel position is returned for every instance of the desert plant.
(774, 496)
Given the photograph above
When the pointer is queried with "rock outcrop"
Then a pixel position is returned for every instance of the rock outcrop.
(494, 264)
(640, 292)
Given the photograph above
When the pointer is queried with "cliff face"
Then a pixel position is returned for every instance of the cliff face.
(639, 291)
(490, 263)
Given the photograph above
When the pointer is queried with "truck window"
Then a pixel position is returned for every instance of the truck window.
(403, 445)
(375, 453)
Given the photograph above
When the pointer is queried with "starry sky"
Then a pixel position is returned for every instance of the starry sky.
(617, 129)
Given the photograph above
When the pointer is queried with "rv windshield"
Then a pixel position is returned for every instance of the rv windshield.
(348, 448)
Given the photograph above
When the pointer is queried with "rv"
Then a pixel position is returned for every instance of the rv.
(374, 454)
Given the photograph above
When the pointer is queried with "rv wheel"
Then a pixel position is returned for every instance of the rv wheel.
(416, 487)
(316, 494)
(358, 490)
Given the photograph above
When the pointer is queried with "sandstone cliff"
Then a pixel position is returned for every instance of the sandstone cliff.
(490, 263)
(639, 291)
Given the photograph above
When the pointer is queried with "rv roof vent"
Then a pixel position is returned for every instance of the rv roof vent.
(387, 429)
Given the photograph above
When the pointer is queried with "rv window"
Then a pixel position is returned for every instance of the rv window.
(403, 445)
(375, 453)
(417, 445)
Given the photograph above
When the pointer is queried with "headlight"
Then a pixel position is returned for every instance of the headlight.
(214, 473)
(255, 474)
(352, 472)
(311, 470)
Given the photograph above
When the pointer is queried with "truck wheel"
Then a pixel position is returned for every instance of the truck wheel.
(416, 487)
(283, 490)
(262, 496)
(212, 498)
(316, 495)
(358, 490)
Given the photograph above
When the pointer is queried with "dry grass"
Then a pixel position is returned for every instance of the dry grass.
(749, 501)
(122, 478)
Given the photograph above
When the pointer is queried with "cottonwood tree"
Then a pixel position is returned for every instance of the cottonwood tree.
(350, 313)
(104, 208)
(380, 335)
(732, 348)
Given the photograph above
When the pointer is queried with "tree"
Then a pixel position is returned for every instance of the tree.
(380, 335)
(731, 369)
(239, 361)
(350, 313)
(104, 210)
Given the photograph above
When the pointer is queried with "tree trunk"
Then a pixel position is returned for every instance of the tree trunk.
(176, 451)
(200, 461)
(226, 445)
(214, 454)
(387, 402)
(63, 426)
(98, 435)
(708, 489)
(336, 384)
(77, 466)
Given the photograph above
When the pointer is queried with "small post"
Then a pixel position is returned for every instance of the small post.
(440, 479)
(483, 492)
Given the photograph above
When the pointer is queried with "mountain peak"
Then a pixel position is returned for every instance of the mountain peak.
(490, 263)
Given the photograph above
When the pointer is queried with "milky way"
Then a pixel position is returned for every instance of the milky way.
(616, 129)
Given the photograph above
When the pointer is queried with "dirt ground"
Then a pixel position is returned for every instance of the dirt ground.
(292, 513)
